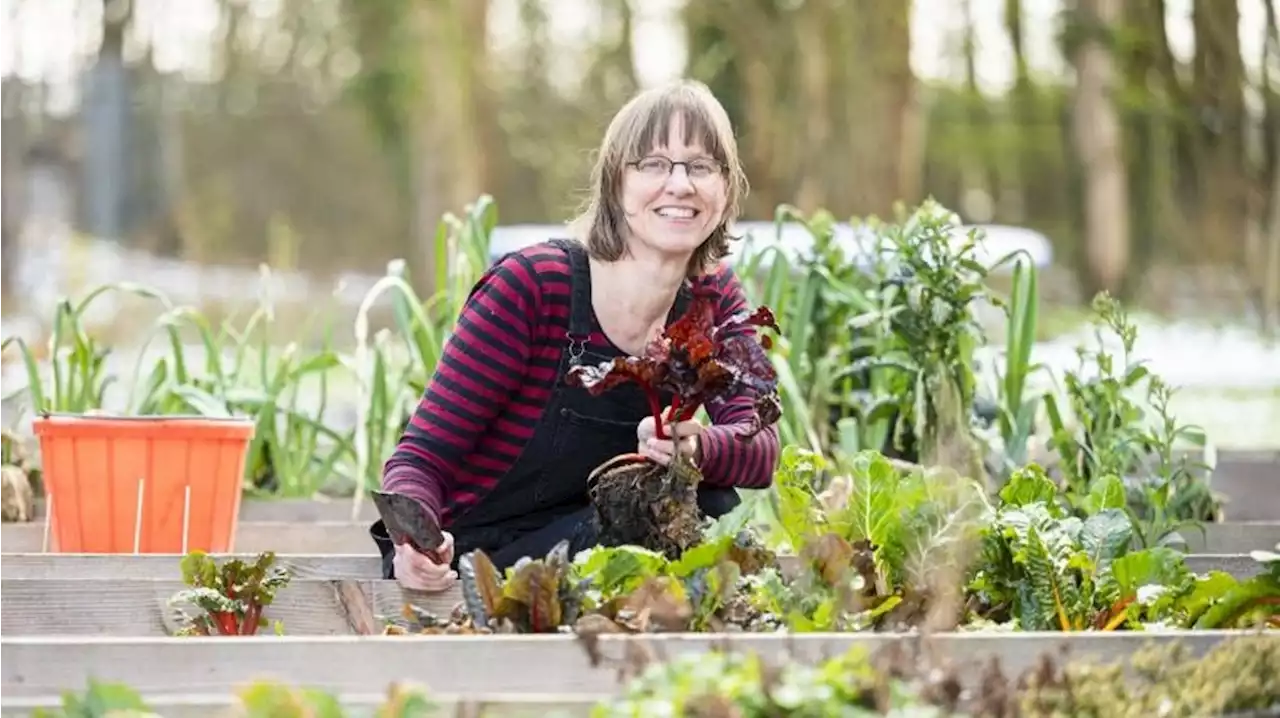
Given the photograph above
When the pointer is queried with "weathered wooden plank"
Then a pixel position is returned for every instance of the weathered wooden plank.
(1249, 481)
(139, 607)
(300, 510)
(166, 566)
(41, 566)
(505, 665)
(1242, 566)
(128, 595)
(1233, 537)
(354, 705)
(251, 537)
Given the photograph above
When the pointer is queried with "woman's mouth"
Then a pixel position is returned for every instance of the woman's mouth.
(677, 213)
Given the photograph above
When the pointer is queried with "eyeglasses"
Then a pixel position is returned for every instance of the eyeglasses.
(657, 166)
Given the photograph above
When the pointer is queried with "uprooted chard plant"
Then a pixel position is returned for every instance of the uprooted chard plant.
(231, 597)
(695, 361)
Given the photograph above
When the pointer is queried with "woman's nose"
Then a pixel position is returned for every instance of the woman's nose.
(678, 181)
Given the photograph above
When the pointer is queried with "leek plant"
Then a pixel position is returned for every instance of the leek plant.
(821, 300)
(78, 378)
(388, 389)
(293, 452)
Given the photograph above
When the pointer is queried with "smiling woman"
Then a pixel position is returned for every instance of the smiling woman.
(500, 448)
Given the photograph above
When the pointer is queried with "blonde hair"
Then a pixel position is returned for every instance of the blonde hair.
(643, 123)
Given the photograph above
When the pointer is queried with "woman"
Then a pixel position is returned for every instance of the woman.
(500, 447)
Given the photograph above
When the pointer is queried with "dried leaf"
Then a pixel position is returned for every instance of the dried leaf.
(659, 604)
(830, 556)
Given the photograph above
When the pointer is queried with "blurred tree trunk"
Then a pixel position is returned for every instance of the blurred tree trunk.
(1268, 259)
(1023, 110)
(762, 58)
(881, 108)
(816, 55)
(13, 184)
(980, 166)
(1143, 111)
(457, 54)
(1098, 140)
(425, 86)
(612, 73)
(387, 35)
(1218, 104)
(107, 118)
(712, 59)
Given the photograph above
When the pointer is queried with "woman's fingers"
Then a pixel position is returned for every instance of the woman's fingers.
(416, 571)
(684, 429)
(445, 552)
(663, 450)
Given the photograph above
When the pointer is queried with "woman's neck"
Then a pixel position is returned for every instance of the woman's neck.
(633, 295)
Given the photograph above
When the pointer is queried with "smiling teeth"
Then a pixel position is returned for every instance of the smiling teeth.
(677, 212)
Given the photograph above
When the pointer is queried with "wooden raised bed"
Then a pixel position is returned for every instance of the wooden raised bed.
(40, 566)
(1250, 482)
(346, 537)
(41, 595)
(301, 510)
(139, 607)
(251, 537)
(485, 665)
(220, 705)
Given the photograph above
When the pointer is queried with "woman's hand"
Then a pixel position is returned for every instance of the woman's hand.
(663, 450)
(420, 572)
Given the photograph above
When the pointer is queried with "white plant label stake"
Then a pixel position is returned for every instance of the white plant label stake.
(137, 517)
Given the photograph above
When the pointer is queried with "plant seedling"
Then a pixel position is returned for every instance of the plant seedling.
(232, 595)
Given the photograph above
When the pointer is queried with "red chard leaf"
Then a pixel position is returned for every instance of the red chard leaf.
(698, 361)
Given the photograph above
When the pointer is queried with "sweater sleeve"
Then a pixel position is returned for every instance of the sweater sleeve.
(482, 366)
(726, 459)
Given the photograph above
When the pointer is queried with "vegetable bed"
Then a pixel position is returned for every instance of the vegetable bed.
(904, 520)
(332, 567)
(345, 537)
(130, 597)
(474, 665)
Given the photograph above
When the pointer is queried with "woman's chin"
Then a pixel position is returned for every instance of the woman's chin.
(677, 241)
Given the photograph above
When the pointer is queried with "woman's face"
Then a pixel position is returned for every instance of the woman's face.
(674, 197)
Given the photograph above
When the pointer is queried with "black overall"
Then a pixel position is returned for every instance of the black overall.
(542, 499)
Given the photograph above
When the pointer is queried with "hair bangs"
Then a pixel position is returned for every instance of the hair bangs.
(652, 125)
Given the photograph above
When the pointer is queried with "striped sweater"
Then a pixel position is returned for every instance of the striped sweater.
(496, 376)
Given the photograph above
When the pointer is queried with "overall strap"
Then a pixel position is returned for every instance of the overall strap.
(684, 296)
(580, 314)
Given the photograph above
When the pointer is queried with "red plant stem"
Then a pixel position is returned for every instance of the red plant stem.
(226, 622)
(250, 625)
(656, 409)
(689, 410)
(672, 410)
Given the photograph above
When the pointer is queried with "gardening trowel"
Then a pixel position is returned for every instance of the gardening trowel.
(407, 521)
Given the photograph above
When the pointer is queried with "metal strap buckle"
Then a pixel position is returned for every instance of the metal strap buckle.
(576, 347)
